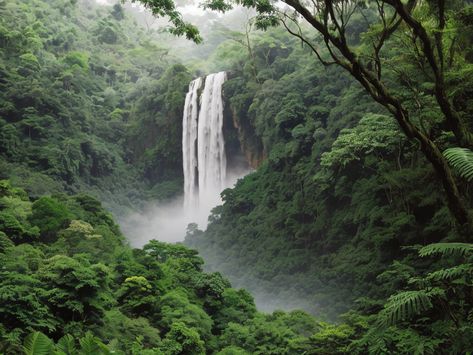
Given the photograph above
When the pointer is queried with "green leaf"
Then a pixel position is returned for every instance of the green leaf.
(38, 344)
(66, 345)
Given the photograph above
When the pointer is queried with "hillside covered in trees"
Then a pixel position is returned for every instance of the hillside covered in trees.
(356, 219)
(85, 105)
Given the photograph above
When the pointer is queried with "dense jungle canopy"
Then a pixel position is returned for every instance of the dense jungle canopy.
(351, 233)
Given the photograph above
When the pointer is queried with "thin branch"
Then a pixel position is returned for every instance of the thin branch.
(304, 40)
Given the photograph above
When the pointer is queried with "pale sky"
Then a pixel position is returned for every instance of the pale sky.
(193, 9)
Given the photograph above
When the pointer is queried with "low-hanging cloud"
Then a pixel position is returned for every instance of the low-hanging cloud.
(168, 221)
(164, 221)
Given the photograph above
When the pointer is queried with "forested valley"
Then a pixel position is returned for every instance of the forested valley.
(347, 126)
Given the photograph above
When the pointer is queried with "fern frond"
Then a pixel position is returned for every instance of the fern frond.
(406, 304)
(461, 159)
(451, 273)
(446, 249)
(38, 344)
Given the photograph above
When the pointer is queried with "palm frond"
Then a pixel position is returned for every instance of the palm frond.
(446, 249)
(89, 345)
(461, 159)
(38, 344)
(66, 345)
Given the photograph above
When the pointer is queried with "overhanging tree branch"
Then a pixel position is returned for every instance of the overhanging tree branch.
(464, 137)
(303, 39)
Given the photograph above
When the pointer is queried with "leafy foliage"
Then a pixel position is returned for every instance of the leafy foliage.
(73, 102)
(323, 223)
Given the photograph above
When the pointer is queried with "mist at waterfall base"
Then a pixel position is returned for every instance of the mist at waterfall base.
(167, 221)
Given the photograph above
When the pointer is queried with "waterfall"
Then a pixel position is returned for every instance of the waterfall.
(206, 168)
(203, 145)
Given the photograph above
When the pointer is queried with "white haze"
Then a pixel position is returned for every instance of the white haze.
(167, 221)
(187, 8)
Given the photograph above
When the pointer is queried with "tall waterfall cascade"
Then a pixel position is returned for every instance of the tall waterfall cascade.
(203, 144)
(213, 160)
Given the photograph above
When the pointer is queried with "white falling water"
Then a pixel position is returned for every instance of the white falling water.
(212, 162)
(203, 144)
(189, 143)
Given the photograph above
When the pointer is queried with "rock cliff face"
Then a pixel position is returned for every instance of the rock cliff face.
(242, 145)
(251, 145)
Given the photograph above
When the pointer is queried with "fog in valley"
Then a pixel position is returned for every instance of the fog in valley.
(168, 221)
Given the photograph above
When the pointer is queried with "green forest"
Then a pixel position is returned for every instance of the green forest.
(349, 233)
